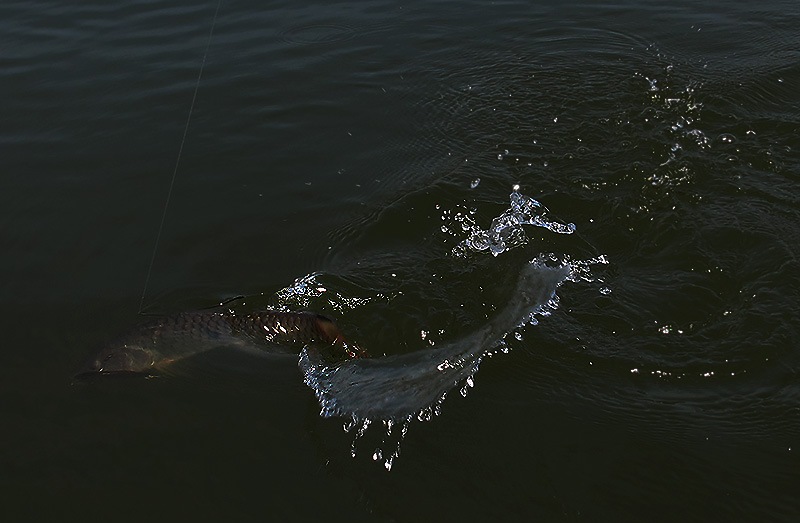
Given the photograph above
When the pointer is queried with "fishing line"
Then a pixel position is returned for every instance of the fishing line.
(178, 161)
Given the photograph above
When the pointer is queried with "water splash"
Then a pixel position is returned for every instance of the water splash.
(505, 231)
(400, 388)
(394, 391)
(304, 291)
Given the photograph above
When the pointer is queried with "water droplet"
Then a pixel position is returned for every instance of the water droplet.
(474, 183)
(425, 414)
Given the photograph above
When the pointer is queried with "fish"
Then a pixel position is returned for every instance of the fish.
(152, 346)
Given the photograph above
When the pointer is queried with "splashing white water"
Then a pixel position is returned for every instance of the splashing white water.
(305, 290)
(505, 231)
(397, 389)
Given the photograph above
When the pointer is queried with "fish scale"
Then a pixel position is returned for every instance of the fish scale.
(155, 344)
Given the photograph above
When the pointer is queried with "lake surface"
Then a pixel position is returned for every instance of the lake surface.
(363, 160)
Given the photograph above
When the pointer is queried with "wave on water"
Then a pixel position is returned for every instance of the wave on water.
(394, 390)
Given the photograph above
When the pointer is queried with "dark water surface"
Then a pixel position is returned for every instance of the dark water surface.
(364, 147)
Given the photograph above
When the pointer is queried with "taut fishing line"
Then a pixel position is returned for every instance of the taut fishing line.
(180, 153)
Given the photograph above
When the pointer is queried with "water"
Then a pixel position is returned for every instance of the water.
(367, 151)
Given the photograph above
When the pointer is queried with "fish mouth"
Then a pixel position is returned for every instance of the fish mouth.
(97, 375)
(118, 361)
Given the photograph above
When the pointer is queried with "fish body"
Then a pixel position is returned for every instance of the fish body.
(151, 346)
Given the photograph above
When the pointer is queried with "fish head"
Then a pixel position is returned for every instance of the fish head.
(120, 359)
